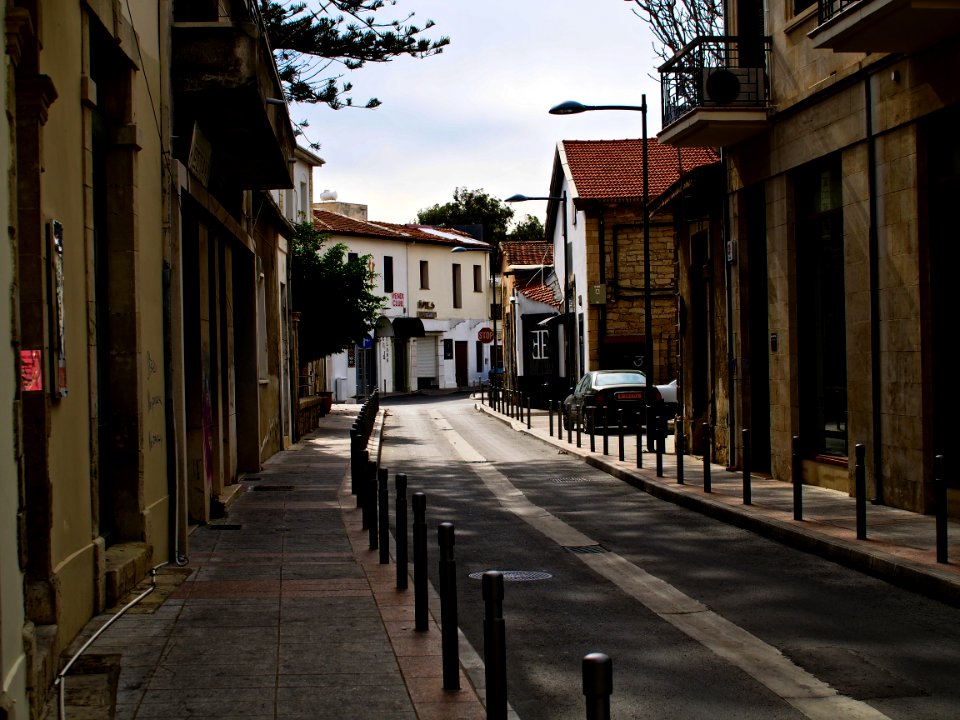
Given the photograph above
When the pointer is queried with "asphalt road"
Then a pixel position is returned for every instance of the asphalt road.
(700, 619)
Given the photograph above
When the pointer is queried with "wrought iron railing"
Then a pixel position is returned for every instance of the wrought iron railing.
(716, 71)
(827, 9)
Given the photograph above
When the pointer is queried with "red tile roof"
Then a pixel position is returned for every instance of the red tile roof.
(342, 225)
(540, 292)
(613, 169)
(527, 253)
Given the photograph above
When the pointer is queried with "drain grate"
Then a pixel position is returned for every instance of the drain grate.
(517, 575)
(584, 549)
(571, 480)
(273, 488)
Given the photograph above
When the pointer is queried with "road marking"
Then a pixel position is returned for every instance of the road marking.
(766, 664)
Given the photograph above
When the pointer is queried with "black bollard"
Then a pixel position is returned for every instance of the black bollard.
(384, 526)
(569, 434)
(620, 433)
(797, 467)
(354, 458)
(494, 645)
(421, 608)
(606, 430)
(579, 425)
(449, 622)
(707, 486)
(370, 504)
(550, 414)
(860, 484)
(597, 685)
(747, 480)
(593, 426)
(528, 412)
(678, 433)
(639, 440)
(660, 440)
(361, 487)
(940, 500)
(401, 530)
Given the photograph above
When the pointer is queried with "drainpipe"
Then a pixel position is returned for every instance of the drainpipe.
(874, 296)
(172, 308)
(731, 355)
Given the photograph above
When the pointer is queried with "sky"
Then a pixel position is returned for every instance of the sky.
(476, 116)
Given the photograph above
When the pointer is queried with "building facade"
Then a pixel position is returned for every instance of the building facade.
(437, 293)
(837, 124)
(144, 279)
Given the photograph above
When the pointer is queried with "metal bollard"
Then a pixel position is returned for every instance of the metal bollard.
(659, 441)
(597, 669)
(401, 530)
(354, 458)
(747, 480)
(578, 434)
(421, 608)
(528, 412)
(860, 483)
(384, 517)
(620, 433)
(707, 485)
(639, 440)
(797, 467)
(593, 426)
(449, 622)
(357, 478)
(550, 414)
(679, 442)
(606, 430)
(494, 645)
(371, 503)
(569, 434)
(940, 500)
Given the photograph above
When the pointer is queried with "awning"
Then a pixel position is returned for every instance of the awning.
(435, 325)
(406, 327)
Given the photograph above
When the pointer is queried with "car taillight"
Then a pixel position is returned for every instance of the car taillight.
(600, 398)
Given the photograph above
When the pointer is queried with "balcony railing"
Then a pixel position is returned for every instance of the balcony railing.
(874, 26)
(716, 71)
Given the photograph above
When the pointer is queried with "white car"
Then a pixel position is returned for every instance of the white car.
(669, 394)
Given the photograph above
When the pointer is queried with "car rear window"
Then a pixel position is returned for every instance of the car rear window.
(620, 379)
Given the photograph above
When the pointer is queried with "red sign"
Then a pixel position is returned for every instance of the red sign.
(485, 335)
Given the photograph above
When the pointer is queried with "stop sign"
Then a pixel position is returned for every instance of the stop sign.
(485, 335)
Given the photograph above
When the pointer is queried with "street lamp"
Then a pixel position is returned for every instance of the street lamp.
(572, 107)
(495, 250)
(568, 348)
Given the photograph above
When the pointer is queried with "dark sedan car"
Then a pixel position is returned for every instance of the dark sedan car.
(610, 390)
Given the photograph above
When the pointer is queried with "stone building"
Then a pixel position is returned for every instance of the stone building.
(144, 301)
(837, 123)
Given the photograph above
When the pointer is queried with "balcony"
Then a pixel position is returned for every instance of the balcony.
(715, 91)
(226, 84)
(884, 25)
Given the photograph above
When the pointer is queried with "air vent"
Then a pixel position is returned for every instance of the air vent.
(733, 86)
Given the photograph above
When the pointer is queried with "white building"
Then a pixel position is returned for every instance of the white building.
(436, 282)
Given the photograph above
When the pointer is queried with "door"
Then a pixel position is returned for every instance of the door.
(460, 357)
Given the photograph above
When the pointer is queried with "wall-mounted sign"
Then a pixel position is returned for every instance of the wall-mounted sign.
(397, 299)
(485, 335)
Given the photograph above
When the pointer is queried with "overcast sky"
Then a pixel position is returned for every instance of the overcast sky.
(476, 115)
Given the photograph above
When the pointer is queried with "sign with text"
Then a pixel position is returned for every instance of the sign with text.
(485, 335)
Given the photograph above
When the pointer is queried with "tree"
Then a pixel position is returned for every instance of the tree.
(529, 229)
(675, 23)
(316, 42)
(471, 207)
(335, 298)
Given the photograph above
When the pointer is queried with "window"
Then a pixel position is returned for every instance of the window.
(821, 310)
(479, 346)
(477, 279)
(424, 275)
(262, 357)
(304, 202)
(447, 349)
(457, 289)
(387, 274)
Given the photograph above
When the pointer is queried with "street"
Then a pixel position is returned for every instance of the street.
(701, 619)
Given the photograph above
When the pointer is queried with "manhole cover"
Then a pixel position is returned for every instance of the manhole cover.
(516, 575)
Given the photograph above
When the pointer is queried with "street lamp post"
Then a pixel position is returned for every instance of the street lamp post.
(568, 347)
(571, 107)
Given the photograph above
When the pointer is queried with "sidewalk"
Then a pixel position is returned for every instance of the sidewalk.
(282, 611)
(899, 547)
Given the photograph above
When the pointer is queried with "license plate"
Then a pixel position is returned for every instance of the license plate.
(629, 396)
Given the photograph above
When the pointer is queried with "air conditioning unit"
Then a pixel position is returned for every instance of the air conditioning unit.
(724, 86)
